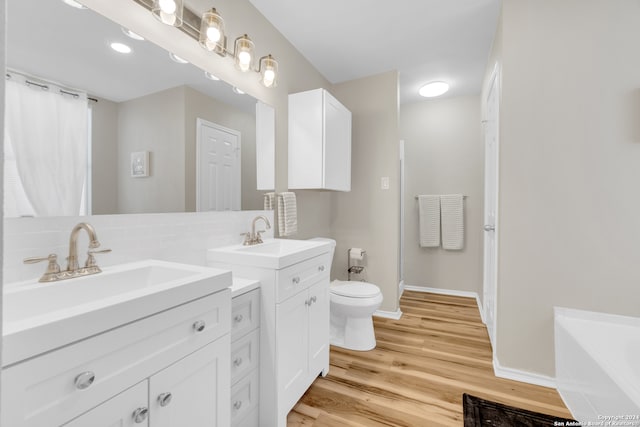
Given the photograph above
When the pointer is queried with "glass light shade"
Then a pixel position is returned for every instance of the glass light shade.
(168, 11)
(212, 35)
(433, 89)
(243, 53)
(268, 71)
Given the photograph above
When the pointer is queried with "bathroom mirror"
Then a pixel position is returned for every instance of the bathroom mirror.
(144, 117)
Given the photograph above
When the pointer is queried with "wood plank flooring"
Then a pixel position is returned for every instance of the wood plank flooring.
(416, 375)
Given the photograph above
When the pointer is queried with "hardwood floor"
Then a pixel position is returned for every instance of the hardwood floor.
(417, 373)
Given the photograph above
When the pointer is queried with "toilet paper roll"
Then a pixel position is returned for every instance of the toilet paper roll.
(356, 254)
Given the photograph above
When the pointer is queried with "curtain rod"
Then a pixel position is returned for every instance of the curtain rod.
(43, 86)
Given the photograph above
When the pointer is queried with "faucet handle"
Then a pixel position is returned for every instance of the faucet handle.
(53, 266)
(91, 260)
(247, 238)
(259, 237)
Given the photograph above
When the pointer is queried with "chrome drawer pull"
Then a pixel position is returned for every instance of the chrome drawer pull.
(238, 361)
(84, 380)
(140, 415)
(164, 399)
(199, 325)
(237, 405)
(238, 318)
(296, 280)
(321, 268)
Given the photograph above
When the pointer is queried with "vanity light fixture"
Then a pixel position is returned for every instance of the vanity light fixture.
(75, 4)
(127, 32)
(268, 71)
(168, 11)
(120, 47)
(211, 76)
(243, 53)
(176, 58)
(212, 36)
(433, 89)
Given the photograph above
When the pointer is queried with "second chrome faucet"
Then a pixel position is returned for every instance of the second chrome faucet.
(253, 237)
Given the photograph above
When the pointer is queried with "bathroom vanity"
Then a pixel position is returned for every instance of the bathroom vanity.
(141, 344)
(294, 312)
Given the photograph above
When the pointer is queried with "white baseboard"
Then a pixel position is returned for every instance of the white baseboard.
(396, 315)
(522, 376)
(400, 288)
(451, 292)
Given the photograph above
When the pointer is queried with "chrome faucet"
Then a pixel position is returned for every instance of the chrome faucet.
(254, 237)
(53, 272)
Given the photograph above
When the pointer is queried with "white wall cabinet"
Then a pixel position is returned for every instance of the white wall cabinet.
(183, 352)
(319, 142)
(294, 331)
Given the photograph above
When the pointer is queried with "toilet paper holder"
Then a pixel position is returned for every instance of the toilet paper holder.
(354, 254)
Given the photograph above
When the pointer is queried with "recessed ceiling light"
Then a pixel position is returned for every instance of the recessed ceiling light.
(177, 59)
(433, 89)
(75, 4)
(131, 34)
(211, 76)
(120, 47)
(238, 91)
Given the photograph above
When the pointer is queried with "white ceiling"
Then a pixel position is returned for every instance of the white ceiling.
(425, 40)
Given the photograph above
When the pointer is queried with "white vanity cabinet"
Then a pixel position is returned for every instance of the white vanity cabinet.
(167, 369)
(294, 330)
(319, 142)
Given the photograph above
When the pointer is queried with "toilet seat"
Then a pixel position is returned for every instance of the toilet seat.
(353, 289)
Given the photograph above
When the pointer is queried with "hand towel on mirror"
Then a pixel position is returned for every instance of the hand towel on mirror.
(452, 212)
(269, 201)
(429, 220)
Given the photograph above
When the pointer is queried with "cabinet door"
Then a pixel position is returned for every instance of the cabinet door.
(193, 391)
(119, 411)
(337, 145)
(319, 328)
(291, 350)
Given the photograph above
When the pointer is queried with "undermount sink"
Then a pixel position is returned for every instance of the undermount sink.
(273, 253)
(38, 317)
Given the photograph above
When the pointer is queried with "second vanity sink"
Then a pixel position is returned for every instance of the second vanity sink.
(273, 253)
(40, 316)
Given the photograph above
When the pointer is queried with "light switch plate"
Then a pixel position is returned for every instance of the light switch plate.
(384, 183)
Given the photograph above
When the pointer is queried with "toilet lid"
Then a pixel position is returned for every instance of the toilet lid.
(355, 289)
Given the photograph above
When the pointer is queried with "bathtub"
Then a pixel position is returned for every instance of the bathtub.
(598, 366)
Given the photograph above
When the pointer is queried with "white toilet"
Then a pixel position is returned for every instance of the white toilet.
(352, 305)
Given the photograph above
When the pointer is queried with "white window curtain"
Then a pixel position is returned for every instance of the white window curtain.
(45, 149)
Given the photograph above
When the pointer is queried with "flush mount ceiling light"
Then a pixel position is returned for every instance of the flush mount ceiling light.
(127, 32)
(212, 36)
(168, 11)
(243, 53)
(433, 89)
(238, 91)
(268, 71)
(176, 58)
(120, 47)
(75, 4)
(211, 76)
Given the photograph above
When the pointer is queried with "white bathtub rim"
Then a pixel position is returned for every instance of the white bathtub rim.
(629, 387)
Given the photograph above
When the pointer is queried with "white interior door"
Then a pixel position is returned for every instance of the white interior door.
(218, 168)
(491, 133)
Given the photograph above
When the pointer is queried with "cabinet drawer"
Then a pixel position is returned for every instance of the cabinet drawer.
(44, 390)
(292, 280)
(245, 313)
(245, 354)
(244, 397)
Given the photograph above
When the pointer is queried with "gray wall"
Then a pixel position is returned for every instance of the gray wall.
(2, 65)
(444, 152)
(104, 157)
(569, 155)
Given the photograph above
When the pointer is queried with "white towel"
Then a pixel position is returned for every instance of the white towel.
(287, 214)
(452, 211)
(269, 199)
(429, 215)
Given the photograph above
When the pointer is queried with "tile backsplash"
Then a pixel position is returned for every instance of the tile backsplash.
(180, 237)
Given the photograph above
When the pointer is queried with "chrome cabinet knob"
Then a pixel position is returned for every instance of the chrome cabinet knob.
(489, 227)
(140, 415)
(296, 280)
(199, 325)
(238, 361)
(237, 405)
(84, 380)
(238, 318)
(321, 268)
(164, 399)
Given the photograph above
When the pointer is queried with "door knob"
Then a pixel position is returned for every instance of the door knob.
(489, 227)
